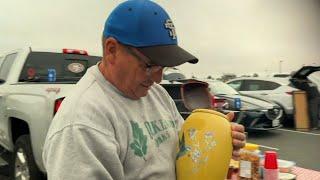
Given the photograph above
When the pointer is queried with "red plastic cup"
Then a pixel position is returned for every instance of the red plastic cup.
(270, 160)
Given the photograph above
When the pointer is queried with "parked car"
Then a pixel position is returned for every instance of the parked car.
(173, 74)
(307, 77)
(277, 90)
(253, 113)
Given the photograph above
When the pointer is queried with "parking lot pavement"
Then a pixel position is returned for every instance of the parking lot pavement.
(300, 147)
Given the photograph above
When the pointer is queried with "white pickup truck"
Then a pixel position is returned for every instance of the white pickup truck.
(33, 83)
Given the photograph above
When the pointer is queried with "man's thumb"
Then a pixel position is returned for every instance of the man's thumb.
(230, 116)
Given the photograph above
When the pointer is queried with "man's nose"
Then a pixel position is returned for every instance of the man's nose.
(157, 76)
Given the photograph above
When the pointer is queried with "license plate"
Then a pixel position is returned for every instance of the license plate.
(275, 123)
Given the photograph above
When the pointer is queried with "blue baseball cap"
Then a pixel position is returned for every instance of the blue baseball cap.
(146, 26)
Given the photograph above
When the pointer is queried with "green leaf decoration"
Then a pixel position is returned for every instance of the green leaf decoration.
(183, 148)
(139, 144)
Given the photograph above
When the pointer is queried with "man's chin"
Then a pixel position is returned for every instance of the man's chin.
(139, 94)
(143, 94)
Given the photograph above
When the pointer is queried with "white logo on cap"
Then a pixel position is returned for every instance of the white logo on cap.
(172, 31)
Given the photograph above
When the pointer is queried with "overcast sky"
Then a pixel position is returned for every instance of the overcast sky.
(242, 37)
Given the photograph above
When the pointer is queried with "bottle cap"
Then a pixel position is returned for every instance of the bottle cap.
(270, 160)
(250, 146)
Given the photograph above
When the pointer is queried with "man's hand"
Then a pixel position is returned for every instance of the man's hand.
(238, 137)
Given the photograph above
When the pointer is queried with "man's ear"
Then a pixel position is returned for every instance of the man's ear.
(111, 46)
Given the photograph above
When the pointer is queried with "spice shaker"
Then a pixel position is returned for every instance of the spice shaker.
(249, 162)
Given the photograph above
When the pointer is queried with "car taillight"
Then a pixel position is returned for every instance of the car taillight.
(218, 102)
(213, 102)
(57, 104)
(289, 92)
(74, 51)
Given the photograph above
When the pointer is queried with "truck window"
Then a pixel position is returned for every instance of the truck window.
(6, 65)
(39, 67)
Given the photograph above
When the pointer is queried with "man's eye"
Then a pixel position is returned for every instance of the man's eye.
(148, 65)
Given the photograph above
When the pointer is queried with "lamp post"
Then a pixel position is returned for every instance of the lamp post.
(280, 68)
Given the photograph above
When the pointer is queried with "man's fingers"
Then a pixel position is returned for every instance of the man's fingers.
(236, 154)
(238, 136)
(237, 127)
(237, 144)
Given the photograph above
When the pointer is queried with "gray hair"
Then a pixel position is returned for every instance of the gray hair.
(103, 40)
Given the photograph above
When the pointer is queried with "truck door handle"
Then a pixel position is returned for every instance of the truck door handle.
(264, 94)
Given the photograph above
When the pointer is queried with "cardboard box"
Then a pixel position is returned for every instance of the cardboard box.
(301, 114)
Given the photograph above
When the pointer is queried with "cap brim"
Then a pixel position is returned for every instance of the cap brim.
(167, 55)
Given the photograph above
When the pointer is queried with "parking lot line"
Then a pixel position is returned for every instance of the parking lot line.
(269, 147)
(308, 133)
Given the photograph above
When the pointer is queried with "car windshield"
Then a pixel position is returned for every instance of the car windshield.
(220, 88)
(50, 67)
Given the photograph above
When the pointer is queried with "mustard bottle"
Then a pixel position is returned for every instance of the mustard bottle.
(205, 146)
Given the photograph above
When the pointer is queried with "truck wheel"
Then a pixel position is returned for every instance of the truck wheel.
(23, 165)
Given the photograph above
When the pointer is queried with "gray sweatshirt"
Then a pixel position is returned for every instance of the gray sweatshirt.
(100, 134)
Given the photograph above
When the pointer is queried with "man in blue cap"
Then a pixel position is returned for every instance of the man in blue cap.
(119, 123)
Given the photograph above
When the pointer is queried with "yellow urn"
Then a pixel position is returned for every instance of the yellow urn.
(205, 146)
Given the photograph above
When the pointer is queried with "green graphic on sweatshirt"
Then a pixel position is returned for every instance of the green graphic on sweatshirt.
(183, 148)
(139, 144)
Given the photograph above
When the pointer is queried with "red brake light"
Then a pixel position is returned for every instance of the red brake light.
(57, 104)
(218, 102)
(74, 51)
(213, 102)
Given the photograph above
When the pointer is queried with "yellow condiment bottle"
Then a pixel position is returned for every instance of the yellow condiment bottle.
(205, 146)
